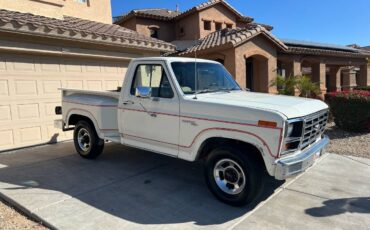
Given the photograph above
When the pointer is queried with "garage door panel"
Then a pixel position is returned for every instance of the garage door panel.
(112, 84)
(6, 139)
(48, 65)
(92, 66)
(30, 134)
(5, 113)
(110, 69)
(28, 111)
(25, 87)
(72, 66)
(2, 64)
(21, 64)
(51, 87)
(4, 88)
(75, 84)
(94, 85)
(50, 109)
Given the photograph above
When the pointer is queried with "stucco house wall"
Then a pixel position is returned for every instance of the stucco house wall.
(166, 30)
(191, 27)
(99, 10)
(217, 13)
(265, 63)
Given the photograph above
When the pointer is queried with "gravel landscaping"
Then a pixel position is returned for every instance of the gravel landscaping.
(11, 219)
(348, 143)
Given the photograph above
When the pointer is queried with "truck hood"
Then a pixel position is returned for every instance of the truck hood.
(290, 106)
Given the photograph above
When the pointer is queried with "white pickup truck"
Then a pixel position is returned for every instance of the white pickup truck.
(194, 110)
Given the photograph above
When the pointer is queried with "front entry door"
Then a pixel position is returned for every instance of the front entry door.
(249, 73)
(152, 123)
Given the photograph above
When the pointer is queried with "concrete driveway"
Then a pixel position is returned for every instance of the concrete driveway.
(131, 189)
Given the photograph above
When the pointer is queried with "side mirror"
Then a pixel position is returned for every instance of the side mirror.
(143, 92)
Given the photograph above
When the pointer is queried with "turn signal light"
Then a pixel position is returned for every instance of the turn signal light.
(270, 124)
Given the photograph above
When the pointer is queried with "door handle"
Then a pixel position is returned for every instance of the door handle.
(128, 102)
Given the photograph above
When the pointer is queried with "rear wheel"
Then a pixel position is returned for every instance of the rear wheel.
(235, 177)
(87, 142)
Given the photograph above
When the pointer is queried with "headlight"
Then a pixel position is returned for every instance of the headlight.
(289, 129)
(293, 128)
(292, 136)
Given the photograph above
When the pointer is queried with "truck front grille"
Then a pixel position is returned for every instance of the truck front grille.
(313, 128)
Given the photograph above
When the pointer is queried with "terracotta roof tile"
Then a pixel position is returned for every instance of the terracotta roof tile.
(160, 14)
(166, 14)
(79, 29)
(233, 37)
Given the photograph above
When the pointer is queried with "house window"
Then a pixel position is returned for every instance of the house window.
(154, 32)
(229, 25)
(207, 25)
(81, 1)
(218, 25)
(86, 2)
(182, 31)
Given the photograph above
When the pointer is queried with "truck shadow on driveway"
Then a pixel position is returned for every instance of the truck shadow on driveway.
(341, 206)
(134, 185)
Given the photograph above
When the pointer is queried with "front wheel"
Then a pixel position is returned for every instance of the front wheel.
(87, 142)
(235, 177)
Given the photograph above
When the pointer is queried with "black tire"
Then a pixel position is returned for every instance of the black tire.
(95, 146)
(254, 174)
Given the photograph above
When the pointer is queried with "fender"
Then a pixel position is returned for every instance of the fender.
(191, 152)
(85, 113)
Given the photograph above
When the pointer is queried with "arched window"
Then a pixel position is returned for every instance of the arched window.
(154, 31)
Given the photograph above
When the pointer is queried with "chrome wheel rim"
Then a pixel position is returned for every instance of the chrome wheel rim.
(83, 139)
(229, 176)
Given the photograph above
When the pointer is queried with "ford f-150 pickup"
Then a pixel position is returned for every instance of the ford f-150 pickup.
(193, 109)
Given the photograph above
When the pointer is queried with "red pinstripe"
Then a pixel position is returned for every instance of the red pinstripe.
(197, 118)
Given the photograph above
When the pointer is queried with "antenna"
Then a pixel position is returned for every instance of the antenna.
(195, 76)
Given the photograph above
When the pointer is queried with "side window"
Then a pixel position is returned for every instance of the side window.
(155, 77)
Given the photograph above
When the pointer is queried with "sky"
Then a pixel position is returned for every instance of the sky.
(339, 22)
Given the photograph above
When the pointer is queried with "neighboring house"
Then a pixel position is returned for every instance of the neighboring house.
(366, 48)
(253, 55)
(96, 10)
(39, 55)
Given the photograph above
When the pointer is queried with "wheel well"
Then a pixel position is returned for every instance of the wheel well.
(211, 143)
(73, 119)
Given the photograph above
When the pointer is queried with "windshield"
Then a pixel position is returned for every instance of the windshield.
(211, 77)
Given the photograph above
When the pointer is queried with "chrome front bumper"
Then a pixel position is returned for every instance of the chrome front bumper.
(290, 166)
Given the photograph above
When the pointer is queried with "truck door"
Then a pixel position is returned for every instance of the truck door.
(151, 122)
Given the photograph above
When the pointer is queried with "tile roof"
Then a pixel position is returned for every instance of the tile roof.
(78, 29)
(211, 3)
(232, 37)
(166, 15)
(159, 14)
(314, 48)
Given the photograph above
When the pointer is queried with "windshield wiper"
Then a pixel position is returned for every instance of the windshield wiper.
(216, 90)
(205, 91)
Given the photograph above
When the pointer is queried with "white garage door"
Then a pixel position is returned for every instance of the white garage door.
(29, 93)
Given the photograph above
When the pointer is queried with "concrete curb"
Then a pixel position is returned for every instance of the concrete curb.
(20, 208)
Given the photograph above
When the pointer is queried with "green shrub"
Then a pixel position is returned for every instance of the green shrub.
(350, 109)
(366, 88)
(303, 84)
(307, 88)
(285, 86)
